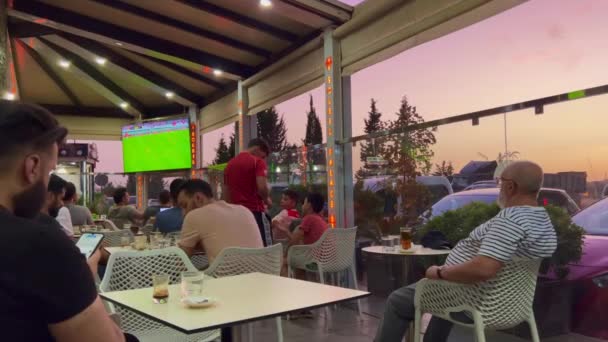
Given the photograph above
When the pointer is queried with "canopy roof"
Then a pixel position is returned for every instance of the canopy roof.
(143, 59)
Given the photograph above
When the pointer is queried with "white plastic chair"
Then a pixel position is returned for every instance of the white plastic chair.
(128, 270)
(147, 229)
(499, 303)
(334, 252)
(235, 260)
(200, 261)
(113, 238)
(108, 224)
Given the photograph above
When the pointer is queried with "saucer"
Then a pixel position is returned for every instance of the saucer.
(198, 301)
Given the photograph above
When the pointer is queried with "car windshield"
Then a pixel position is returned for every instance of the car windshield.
(459, 201)
(594, 219)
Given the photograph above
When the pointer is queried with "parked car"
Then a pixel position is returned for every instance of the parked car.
(590, 274)
(556, 197)
(605, 191)
(439, 186)
(482, 185)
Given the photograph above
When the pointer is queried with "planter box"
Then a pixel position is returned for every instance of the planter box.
(552, 310)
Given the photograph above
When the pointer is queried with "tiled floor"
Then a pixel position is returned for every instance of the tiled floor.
(344, 325)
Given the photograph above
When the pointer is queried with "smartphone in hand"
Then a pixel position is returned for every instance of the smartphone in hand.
(88, 243)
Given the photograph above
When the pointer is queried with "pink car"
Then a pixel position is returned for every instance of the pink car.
(590, 315)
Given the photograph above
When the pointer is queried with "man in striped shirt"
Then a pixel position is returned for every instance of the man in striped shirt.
(520, 230)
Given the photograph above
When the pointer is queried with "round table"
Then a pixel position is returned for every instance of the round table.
(420, 251)
(377, 281)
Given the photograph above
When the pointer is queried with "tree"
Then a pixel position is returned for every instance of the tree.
(232, 145)
(444, 169)
(408, 153)
(271, 127)
(222, 154)
(314, 136)
(372, 148)
(314, 133)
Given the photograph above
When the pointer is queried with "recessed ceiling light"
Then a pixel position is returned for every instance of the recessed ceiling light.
(217, 72)
(265, 3)
(124, 105)
(169, 95)
(64, 64)
(100, 60)
(9, 96)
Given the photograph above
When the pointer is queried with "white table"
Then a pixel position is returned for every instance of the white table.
(112, 250)
(243, 298)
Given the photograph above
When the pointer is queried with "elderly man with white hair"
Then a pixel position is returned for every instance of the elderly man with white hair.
(520, 230)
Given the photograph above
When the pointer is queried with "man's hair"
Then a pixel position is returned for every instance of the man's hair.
(164, 197)
(70, 191)
(174, 188)
(192, 186)
(316, 201)
(291, 194)
(261, 144)
(119, 194)
(24, 128)
(56, 185)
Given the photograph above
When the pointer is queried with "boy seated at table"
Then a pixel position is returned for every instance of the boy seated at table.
(308, 232)
(313, 224)
(283, 220)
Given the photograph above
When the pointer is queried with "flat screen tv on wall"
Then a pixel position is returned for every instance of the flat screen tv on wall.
(156, 146)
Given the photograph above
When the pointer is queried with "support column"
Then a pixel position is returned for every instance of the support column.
(339, 157)
(247, 125)
(141, 188)
(195, 141)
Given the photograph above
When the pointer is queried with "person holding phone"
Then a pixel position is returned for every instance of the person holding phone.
(48, 292)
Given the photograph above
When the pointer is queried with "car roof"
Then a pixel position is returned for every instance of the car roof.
(495, 191)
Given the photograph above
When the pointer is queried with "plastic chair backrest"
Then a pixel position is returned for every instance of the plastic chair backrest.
(506, 300)
(236, 260)
(335, 250)
(114, 224)
(128, 270)
(113, 238)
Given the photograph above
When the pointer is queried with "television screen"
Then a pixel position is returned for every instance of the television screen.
(156, 146)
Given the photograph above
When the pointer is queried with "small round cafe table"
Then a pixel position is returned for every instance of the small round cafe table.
(387, 254)
(407, 275)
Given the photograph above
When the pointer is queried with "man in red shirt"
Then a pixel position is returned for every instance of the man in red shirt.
(245, 184)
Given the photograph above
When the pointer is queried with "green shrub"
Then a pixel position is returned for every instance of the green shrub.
(458, 224)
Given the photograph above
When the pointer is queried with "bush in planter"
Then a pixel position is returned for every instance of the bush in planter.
(458, 224)
(368, 208)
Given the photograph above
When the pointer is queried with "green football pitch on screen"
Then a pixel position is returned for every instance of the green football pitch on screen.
(157, 151)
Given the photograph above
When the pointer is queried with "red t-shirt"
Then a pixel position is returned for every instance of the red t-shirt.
(313, 226)
(240, 177)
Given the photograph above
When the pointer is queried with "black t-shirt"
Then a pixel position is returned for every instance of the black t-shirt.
(43, 278)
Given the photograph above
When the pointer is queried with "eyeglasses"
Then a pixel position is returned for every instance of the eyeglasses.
(501, 180)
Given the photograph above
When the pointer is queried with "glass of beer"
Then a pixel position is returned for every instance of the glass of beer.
(160, 283)
(406, 237)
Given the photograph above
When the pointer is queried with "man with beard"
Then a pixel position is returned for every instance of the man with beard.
(520, 230)
(53, 212)
(48, 293)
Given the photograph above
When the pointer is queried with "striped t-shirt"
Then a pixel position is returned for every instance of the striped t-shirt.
(522, 232)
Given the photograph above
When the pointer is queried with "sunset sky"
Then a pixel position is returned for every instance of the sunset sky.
(540, 48)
